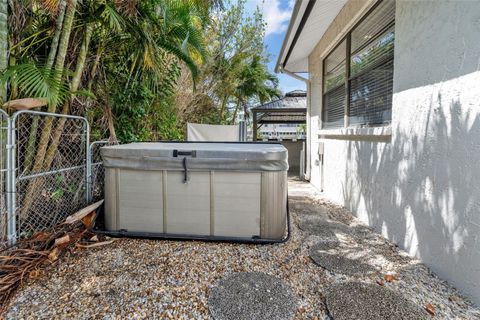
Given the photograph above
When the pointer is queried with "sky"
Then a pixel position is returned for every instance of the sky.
(277, 15)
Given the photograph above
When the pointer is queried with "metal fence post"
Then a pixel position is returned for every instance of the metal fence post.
(10, 187)
(88, 169)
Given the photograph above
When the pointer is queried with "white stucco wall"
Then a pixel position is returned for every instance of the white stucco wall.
(421, 189)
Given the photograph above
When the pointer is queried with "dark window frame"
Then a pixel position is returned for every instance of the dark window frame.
(348, 78)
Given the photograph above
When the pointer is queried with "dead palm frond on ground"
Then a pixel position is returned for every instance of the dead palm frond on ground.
(29, 258)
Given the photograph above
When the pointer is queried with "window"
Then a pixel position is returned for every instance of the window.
(334, 87)
(358, 73)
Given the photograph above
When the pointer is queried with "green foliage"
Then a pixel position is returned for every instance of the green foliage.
(131, 83)
(235, 75)
(37, 81)
(131, 107)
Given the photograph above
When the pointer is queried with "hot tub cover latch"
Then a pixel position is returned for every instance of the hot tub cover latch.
(191, 153)
(185, 170)
(185, 154)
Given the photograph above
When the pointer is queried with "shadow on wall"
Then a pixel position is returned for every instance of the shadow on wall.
(422, 189)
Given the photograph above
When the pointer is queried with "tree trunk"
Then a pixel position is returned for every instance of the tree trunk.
(235, 112)
(3, 44)
(111, 127)
(75, 84)
(49, 64)
(95, 65)
(47, 126)
(64, 40)
(222, 108)
(59, 65)
(56, 36)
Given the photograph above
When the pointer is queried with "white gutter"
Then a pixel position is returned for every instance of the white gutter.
(294, 75)
(283, 50)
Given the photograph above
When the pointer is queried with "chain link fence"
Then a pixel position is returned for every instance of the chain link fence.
(51, 169)
(48, 170)
(98, 171)
(4, 130)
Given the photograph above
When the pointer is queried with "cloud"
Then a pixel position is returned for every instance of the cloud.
(276, 17)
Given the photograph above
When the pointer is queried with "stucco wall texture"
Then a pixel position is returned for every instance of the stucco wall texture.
(421, 189)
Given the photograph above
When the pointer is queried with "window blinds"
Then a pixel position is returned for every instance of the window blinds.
(369, 79)
(334, 87)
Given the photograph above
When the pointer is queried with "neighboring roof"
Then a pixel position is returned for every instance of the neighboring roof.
(296, 99)
(310, 19)
(296, 93)
(292, 108)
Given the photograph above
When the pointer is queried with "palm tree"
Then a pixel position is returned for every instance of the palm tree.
(140, 39)
(256, 84)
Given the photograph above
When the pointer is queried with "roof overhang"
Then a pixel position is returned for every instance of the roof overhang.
(310, 19)
(278, 116)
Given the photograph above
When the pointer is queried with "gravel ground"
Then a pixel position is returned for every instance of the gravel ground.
(338, 263)
(357, 300)
(148, 279)
(251, 295)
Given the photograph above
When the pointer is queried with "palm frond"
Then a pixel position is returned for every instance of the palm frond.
(37, 81)
(112, 18)
(184, 57)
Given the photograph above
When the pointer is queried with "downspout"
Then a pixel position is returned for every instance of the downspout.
(309, 127)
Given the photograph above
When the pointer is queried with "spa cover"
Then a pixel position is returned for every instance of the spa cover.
(199, 156)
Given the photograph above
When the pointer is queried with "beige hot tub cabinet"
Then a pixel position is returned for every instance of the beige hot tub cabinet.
(198, 190)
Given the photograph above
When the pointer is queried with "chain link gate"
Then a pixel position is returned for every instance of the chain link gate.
(4, 136)
(48, 169)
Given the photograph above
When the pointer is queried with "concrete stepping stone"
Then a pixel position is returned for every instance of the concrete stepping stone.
(251, 295)
(321, 227)
(356, 300)
(338, 263)
(306, 208)
(326, 244)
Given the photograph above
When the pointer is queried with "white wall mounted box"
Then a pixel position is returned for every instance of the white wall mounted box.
(215, 190)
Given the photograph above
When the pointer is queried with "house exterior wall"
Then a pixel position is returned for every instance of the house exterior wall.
(419, 187)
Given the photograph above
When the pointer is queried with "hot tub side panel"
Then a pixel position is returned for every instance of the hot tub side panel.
(134, 200)
(273, 204)
(236, 204)
(215, 203)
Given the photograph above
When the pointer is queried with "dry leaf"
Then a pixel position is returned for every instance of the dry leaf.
(53, 255)
(430, 309)
(62, 242)
(40, 236)
(89, 219)
(34, 274)
(390, 277)
(79, 215)
(25, 103)
(94, 238)
(98, 244)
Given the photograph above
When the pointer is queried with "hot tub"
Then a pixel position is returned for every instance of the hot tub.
(197, 190)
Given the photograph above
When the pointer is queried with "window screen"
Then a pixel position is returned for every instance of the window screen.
(369, 78)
